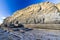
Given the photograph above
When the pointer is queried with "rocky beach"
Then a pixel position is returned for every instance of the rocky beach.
(36, 34)
(39, 21)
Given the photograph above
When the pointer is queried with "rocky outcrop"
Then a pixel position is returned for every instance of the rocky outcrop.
(58, 6)
(45, 12)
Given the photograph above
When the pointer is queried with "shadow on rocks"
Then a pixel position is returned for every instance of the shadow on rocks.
(20, 28)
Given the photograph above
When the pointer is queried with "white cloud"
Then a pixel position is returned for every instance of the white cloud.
(54, 1)
(1, 19)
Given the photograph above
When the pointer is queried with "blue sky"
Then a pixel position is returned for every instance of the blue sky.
(8, 7)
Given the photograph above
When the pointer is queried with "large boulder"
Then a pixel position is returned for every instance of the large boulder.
(45, 12)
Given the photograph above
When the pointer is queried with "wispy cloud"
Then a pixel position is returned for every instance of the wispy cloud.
(54, 1)
(1, 19)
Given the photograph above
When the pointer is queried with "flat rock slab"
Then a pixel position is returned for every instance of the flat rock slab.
(43, 26)
(36, 34)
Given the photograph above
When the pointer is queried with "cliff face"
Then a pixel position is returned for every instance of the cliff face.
(37, 13)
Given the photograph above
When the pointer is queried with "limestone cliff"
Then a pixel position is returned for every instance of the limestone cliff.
(45, 12)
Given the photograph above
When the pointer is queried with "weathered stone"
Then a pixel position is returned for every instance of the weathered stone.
(45, 12)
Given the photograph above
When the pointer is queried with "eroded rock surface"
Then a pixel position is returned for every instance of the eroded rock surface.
(45, 12)
(36, 34)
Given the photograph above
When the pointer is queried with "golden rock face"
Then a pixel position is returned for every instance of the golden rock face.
(37, 13)
(58, 6)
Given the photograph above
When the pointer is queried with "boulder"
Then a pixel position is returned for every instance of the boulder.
(39, 13)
